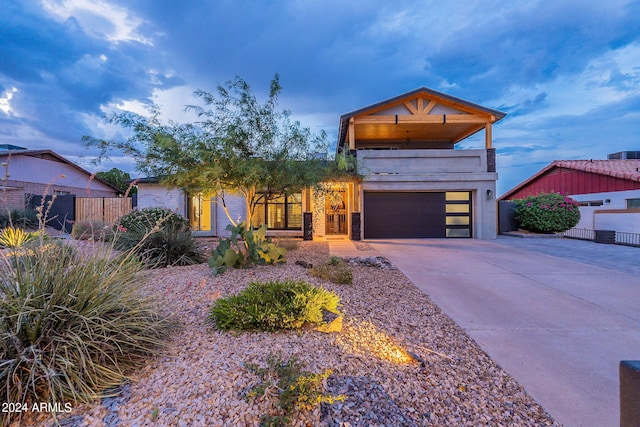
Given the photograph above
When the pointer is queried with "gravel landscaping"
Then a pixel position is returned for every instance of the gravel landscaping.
(399, 360)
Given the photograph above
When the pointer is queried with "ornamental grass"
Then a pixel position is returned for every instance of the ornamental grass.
(72, 326)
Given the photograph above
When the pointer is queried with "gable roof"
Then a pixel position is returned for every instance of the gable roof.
(628, 169)
(442, 99)
(53, 156)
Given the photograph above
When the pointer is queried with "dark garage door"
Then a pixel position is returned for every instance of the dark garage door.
(404, 215)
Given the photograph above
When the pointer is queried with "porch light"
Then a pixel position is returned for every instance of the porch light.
(489, 194)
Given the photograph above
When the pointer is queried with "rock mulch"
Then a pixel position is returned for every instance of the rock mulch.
(200, 379)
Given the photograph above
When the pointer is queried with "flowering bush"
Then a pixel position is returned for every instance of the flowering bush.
(547, 213)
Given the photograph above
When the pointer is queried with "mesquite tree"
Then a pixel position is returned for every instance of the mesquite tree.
(236, 145)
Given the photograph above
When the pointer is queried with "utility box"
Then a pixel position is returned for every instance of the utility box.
(605, 236)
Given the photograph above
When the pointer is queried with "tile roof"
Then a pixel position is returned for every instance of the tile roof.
(625, 169)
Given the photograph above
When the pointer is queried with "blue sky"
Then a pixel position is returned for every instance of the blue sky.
(567, 73)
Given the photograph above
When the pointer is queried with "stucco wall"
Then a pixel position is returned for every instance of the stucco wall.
(591, 220)
(237, 209)
(435, 170)
(621, 221)
(152, 195)
(157, 195)
(43, 171)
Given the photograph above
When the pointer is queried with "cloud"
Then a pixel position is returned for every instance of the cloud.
(566, 72)
(5, 101)
(99, 19)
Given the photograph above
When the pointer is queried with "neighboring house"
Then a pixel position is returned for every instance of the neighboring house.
(29, 178)
(608, 190)
(414, 182)
(26, 173)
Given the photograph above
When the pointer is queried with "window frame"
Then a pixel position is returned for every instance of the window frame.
(266, 202)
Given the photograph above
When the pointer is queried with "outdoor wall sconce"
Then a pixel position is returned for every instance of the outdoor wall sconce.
(607, 201)
(489, 194)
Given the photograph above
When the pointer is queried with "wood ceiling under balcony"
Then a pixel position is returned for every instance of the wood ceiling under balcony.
(422, 116)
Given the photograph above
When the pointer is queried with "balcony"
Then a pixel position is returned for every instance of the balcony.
(426, 165)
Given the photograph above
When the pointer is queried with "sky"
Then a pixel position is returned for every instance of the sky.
(566, 73)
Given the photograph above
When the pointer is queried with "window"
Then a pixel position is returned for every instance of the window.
(633, 203)
(200, 212)
(458, 213)
(279, 212)
(591, 203)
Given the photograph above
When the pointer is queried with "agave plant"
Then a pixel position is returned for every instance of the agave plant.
(12, 237)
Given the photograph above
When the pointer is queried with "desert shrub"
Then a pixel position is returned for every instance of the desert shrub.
(12, 237)
(22, 218)
(71, 327)
(245, 246)
(287, 243)
(150, 218)
(159, 236)
(273, 306)
(335, 270)
(294, 388)
(547, 213)
(170, 244)
(98, 231)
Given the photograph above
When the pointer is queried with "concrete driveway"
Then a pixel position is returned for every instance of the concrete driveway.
(558, 323)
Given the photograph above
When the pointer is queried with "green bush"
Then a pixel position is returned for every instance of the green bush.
(22, 218)
(98, 231)
(273, 306)
(71, 327)
(158, 236)
(295, 388)
(547, 213)
(168, 245)
(151, 217)
(336, 270)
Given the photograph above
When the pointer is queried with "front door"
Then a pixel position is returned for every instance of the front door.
(335, 208)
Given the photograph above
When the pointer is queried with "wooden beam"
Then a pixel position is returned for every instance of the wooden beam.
(429, 107)
(426, 119)
(352, 134)
(411, 108)
(487, 135)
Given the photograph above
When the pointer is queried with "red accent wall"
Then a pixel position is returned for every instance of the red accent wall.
(571, 181)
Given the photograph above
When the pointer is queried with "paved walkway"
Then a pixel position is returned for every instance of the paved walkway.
(342, 248)
(552, 313)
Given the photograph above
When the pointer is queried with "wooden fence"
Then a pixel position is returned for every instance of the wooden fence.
(101, 209)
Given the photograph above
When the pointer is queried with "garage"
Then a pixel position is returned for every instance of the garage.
(399, 215)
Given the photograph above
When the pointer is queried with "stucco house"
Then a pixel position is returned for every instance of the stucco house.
(608, 190)
(415, 183)
(33, 172)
